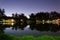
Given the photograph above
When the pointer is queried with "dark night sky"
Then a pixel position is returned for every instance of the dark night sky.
(29, 6)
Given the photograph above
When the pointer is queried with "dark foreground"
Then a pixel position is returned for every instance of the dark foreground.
(43, 37)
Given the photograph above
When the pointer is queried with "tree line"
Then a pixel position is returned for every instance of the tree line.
(34, 16)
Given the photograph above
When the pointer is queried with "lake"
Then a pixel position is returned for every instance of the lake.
(33, 29)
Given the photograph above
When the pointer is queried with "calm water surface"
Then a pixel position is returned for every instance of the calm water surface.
(19, 31)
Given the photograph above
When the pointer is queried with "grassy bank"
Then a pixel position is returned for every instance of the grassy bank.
(44, 37)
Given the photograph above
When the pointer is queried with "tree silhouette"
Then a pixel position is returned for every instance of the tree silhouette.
(32, 18)
(2, 11)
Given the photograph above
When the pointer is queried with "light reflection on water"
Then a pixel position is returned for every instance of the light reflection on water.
(28, 31)
(12, 21)
(20, 32)
(31, 29)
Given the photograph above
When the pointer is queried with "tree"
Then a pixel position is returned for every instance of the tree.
(13, 15)
(2, 11)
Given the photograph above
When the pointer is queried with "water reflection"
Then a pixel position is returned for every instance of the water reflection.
(45, 27)
(38, 27)
(2, 28)
(32, 29)
(8, 22)
(9, 26)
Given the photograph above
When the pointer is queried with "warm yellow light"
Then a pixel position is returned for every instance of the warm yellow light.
(12, 23)
(58, 21)
(47, 21)
(43, 21)
(12, 20)
(21, 20)
(9, 22)
(53, 21)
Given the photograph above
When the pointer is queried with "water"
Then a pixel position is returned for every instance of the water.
(35, 30)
